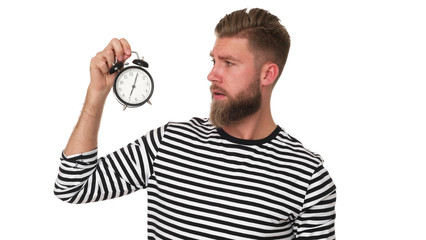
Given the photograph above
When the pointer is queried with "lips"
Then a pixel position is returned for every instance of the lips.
(217, 92)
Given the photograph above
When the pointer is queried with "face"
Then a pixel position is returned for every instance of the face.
(235, 82)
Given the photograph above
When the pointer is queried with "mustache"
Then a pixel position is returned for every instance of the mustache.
(217, 89)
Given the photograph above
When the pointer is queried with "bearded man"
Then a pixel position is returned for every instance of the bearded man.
(234, 175)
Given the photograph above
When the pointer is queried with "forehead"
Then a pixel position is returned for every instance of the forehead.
(231, 48)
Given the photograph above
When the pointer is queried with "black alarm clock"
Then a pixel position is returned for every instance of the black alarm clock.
(133, 85)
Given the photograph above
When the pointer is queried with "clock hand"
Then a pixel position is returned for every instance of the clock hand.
(134, 85)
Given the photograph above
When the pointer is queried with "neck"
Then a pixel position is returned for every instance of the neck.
(254, 127)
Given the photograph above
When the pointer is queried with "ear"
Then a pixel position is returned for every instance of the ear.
(269, 74)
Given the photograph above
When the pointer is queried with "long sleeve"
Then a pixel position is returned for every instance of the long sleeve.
(85, 178)
(317, 218)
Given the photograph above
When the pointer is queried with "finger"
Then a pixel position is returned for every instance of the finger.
(99, 62)
(118, 49)
(109, 58)
(113, 48)
(121, 49)
(126, 48)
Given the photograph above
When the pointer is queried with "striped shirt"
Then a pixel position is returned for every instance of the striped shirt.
(205, 184)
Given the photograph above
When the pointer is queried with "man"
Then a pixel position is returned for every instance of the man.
(236, 175)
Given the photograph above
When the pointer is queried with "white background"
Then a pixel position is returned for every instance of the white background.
(353, 91)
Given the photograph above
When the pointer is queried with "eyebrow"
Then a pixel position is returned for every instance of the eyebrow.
(226, 57)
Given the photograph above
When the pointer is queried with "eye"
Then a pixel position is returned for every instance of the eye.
(228, 63)
(213, 61)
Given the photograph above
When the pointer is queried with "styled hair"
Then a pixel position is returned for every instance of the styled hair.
(268, 38)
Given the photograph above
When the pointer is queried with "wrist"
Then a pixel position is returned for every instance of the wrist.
(95, 101)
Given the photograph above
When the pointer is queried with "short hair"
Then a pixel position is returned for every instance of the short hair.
(268, 38)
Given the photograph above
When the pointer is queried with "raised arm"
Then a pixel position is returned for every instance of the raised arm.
(84, 137)
(83, 176)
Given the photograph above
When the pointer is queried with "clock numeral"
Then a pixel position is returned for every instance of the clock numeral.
(125, 76)
(131, 74)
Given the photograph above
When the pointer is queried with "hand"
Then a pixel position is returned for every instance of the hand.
(100, 80)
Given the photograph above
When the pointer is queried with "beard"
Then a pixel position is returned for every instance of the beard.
(233, 109)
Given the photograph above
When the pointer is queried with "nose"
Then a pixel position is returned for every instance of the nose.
(214, 75)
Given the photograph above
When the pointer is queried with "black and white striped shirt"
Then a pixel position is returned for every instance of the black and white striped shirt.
(205, 184)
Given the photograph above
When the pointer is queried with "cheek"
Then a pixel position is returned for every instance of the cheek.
(241, 81)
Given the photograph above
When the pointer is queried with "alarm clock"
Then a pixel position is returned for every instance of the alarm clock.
(133, 85)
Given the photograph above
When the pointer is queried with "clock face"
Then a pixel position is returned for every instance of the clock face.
(133, 86)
